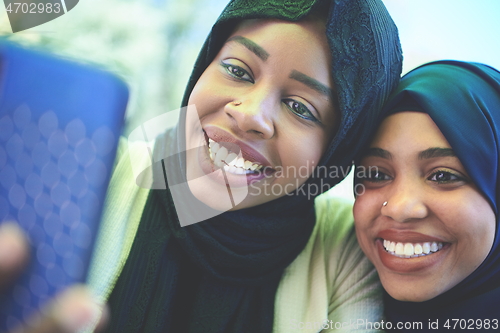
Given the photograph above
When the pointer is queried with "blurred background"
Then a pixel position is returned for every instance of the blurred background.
(152, 44)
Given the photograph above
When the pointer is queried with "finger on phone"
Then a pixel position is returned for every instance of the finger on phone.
(14, 252)
(71, 311)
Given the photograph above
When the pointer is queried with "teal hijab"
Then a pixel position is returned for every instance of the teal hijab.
(463, 99)
(221, 275)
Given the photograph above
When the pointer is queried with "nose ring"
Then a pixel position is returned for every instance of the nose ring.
(237, 103)
(384, 204)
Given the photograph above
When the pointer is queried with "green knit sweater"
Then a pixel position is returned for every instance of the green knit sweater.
(331, 284)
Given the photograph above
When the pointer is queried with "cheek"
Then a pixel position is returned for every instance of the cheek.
(363, 221)
(363, 217)
(300, 153)
(480, 225)
(208, 95)
(472, 222)
(471, 215)
(357, 210)
(366, 207)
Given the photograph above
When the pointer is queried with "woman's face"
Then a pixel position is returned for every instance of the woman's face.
(266, 114)
(436, 227)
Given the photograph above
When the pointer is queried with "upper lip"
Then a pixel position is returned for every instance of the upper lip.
(406, 236)
(226, 139)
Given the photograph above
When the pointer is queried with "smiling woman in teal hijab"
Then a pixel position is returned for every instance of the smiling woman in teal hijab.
(249, 86)
(447, 196)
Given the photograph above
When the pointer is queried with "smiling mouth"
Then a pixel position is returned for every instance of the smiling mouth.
(229, 161)
(412, 250)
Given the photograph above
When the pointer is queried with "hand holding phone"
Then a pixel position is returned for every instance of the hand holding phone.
(59, 126)
(71, 311)
(14, 253)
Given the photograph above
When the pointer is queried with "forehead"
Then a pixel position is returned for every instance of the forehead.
(306, 38)
(408, 130)
(272, 26)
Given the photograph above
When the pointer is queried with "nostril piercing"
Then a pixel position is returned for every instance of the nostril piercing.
(237, 103)
(384, 204)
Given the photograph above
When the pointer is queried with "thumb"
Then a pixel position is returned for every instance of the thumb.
(71, 311)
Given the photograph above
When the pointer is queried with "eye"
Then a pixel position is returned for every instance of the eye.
(377, 176)
(445, 177)
(371, 174)
(237, 72)
(300, 109)
(371, 177)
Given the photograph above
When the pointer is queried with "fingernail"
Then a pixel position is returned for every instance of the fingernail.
(13, 246)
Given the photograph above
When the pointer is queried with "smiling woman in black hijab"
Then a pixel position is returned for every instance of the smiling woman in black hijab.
(454, 284)
(222, 275)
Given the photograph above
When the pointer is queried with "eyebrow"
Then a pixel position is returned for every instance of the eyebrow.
(425, 154)
(312, 83)
(378, 152)
(295, 75)
(250, 45)
(436, 152)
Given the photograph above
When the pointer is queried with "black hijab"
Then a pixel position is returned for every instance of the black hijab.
(463, 99)
(221, 275)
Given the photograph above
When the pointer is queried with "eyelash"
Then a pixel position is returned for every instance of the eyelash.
(376, 178)
(448, 174)
(301, 111)
(230, 69)
(380, 177)
(296, 107)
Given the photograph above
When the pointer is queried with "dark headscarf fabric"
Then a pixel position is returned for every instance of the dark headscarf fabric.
(221, 275)
(463, 99)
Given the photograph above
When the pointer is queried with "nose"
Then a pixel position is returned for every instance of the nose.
(252, 115)
(406, 202)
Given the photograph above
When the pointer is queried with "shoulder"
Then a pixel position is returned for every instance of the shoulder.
(334, 219)
(353, 286)
(125, 200)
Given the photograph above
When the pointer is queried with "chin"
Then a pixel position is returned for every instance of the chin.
(216, 196)
(410, 292)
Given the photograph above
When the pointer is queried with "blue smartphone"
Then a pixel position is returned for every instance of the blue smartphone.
(59, 126)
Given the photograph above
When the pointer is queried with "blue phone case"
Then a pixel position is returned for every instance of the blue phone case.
(59, 126)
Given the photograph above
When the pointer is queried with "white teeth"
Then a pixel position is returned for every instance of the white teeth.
(222, 153)
(410, 250)
(218, 160)
(231, 158)
(213, 145)
(400, 249)
(222, 157)
(240, 163)
(239, 171)
(434, 247)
